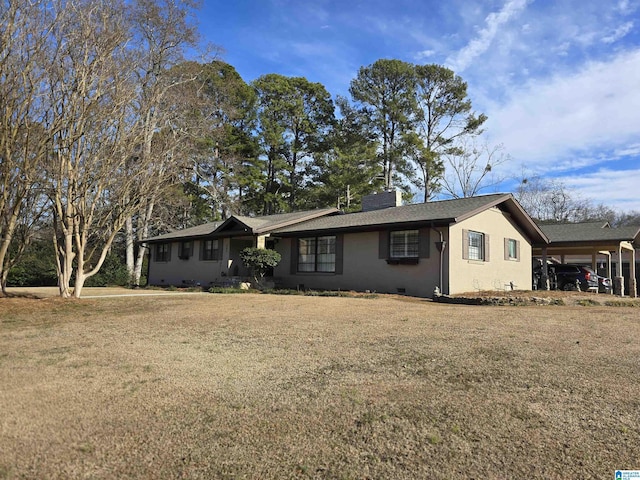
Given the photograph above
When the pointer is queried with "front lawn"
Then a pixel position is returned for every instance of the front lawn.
(270, 386)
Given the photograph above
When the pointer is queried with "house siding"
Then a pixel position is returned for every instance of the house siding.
(363, 269)
(181, 272)
(496, 272)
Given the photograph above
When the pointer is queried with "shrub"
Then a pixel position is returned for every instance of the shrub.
(230, 290)
(259, 260)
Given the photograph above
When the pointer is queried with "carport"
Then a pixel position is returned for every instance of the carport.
(584, 243)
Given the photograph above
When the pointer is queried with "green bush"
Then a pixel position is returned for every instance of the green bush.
(113, 272)
(259, 260)
(36, 268)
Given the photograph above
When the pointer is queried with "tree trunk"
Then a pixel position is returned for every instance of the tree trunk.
(143, 232)
(3, 282)
(129, 243)
(64, 264)
(7, 235)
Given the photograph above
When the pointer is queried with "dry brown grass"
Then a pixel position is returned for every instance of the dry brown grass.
(261, 386)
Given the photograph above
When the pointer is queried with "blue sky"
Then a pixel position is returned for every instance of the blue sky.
(559, 80)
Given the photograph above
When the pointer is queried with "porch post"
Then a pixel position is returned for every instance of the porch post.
(618, 282)
(260, 241)
(545, 271)
(608, 254)
(226, 256)
(594, 261)
(633, 288)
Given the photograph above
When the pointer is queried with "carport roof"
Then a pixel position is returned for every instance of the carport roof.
(590, 232)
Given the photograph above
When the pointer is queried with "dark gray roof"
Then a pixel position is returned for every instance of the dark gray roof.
(588, 232)
(281, 220)
(253, 225)
(193, 232)
(442, 212)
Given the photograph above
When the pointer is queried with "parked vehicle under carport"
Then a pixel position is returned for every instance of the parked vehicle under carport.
(568, 277)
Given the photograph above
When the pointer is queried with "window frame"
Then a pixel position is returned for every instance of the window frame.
(476, 252)
(466, 247)
(211, 254)
(512, 249)
(410, 249)
(310, 249)
(163, 252)
(185, 249)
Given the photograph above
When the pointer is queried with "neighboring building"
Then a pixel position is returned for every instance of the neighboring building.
(478, 243)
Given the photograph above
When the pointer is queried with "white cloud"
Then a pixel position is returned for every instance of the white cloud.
(425, 54)
(632, 150)
(477, 46)
(618, 33)
(626, 7)
(547, 121)
(614, 188)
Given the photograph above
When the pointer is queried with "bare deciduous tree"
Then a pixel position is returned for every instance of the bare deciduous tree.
(23, 54)
(471, 168)
(88, 175)
(161, 119)
(549, 200)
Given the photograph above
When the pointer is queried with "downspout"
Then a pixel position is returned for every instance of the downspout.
(441, 245)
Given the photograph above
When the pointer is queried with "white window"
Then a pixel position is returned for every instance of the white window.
(404, 244)
(476, 245)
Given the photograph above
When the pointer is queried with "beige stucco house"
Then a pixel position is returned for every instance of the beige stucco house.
(478, 243)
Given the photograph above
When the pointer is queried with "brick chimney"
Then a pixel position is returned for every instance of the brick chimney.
(378, 201)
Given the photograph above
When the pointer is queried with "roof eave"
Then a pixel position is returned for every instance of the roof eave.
(369, 228)
(516, 210)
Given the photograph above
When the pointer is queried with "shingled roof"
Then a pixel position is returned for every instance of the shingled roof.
(192, 232)
(268, 223)
(443, 212)
(244, 224)
(438, 213)
(573, 233)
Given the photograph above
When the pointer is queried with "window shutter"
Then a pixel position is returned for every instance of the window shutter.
(218, 254)
(518, 250)
(465, 244)
(506, 249)
(293, 268)
(424, 242)
(339, 253)
(383, 244)
(169, 245)
(201, 249)
(486, 247)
